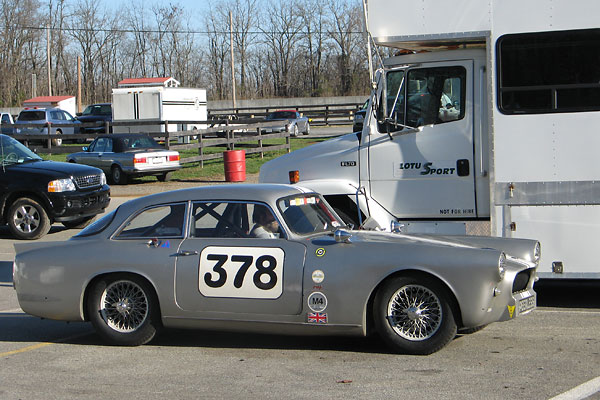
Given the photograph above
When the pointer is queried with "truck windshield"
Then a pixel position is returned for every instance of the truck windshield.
(308, 214)
(13, 152)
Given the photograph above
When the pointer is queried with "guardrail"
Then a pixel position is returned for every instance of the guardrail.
(222, 134)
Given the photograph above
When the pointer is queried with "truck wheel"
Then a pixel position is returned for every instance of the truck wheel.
(27, 219)
(78, 223)
(414, 315)
(124, 310)
(117, 175)
(165, 177)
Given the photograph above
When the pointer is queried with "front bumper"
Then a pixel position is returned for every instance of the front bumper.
(69, 206)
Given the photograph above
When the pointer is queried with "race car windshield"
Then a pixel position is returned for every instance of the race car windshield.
(308, 214)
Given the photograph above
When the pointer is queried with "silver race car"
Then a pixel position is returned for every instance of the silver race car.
(276, 259)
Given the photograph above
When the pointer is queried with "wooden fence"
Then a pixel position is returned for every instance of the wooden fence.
(222, 134)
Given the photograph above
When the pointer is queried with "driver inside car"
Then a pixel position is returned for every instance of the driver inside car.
(266, 226)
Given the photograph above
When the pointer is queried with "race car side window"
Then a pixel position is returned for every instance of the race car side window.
(155, 222)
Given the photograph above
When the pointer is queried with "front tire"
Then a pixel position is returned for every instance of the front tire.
(27, 219)
(118, 176)
(307, 131)
(414, 315)
(124, 311)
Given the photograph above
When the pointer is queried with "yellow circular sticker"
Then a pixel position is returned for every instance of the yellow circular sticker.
(320, 252)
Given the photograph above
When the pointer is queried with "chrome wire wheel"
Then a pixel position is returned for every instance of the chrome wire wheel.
(124, 306)
(26, 218)
(414, 312)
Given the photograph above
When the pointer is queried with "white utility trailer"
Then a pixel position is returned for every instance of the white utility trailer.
(484, 111)
(159, 104)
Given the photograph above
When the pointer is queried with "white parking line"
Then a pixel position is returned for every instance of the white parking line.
(14, 310)
(541, 310)
(581, 392)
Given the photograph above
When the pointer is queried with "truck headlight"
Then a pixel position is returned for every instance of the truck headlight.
(61, 185)
(502, 265)
(102, 179)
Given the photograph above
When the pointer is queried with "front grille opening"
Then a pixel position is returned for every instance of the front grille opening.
(87, 181)
(521, 281)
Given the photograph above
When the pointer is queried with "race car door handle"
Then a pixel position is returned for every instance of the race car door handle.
(187, 253)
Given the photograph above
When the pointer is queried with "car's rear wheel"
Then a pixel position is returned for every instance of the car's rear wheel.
(165, 177)
(27, 219)
(294, 131)
(117, 175)
(78, 223)
(307, 131)
(414, 315)
(123, 309)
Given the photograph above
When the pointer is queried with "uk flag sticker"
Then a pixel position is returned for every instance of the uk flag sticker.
(317, 318)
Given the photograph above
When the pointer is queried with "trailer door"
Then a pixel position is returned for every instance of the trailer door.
(425, 174)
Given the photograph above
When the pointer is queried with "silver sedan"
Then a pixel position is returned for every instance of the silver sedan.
(122, 156)
(292, 122)
(273, 259)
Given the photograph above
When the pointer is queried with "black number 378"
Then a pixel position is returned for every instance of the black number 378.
(265, 267)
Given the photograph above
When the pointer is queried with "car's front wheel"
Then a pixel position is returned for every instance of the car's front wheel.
(118, 176)
(27, 219)
(123, 309)
(414, 315)
(307, 130)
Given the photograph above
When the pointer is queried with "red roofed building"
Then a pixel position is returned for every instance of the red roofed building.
(66, 103)
(137, 82)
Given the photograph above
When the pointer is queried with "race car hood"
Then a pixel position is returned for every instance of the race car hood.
(338, 155)
(518, 248)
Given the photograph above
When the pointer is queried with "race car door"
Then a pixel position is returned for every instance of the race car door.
(429, 173)
(221, 268)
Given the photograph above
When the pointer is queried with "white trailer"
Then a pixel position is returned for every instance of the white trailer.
(159, 104)
(488, 111)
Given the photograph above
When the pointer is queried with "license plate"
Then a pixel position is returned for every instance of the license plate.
(526, 304)
(158, 160)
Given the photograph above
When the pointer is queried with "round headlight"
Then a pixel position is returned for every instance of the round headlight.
(502, 265)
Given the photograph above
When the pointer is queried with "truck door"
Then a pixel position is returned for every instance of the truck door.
(427, 173)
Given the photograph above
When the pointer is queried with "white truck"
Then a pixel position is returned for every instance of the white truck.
(487, 111)
(158, 104)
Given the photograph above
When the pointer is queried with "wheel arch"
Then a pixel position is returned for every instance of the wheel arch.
(369, 323)
(14, 196)
(90, 284)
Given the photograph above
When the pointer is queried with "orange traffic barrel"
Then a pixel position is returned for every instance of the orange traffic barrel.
(235, 165)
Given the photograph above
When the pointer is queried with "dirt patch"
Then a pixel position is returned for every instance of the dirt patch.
(141, 188)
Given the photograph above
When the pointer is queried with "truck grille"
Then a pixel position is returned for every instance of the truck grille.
(87, 181)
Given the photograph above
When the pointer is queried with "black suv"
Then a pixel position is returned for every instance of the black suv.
(35, 193)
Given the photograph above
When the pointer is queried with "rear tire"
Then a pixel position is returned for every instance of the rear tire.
(27, 219)
(413, 315)
(307, 131)
(124, 310)
(165, 177)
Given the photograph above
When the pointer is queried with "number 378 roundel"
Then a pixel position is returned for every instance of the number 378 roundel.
(244, 272)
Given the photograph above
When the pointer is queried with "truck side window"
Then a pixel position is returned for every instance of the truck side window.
(548, 72)
(434, 96)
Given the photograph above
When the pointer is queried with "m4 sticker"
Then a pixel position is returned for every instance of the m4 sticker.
(241, 272)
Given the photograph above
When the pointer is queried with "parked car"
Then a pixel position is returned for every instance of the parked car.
(359, 117)
(97, 114)
(126, 155)
(35, 193)
(296, 122)
(6, 119)
(67, 124)
(192, 258)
